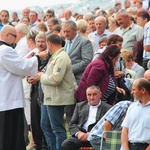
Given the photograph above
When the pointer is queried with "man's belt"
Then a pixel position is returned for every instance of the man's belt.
(139, 144)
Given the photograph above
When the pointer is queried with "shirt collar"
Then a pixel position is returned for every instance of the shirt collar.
(130, 27)
(139, 103)
(96, 105)
(104, 33)
(58, 51)
(74, 38)
(34, 24)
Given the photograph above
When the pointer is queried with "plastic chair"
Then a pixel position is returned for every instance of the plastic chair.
(113, 140)
(86, 148)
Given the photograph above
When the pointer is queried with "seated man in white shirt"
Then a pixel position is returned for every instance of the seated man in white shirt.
(86, 115)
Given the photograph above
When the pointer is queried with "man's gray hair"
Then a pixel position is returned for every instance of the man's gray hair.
(40, 35)
(70, 23)
(32, 34)
(22, 27)
(94, 87)
(122, 12)
(53, 20)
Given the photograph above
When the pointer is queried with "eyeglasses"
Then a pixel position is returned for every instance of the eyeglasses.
(49, 16)
(13, 35)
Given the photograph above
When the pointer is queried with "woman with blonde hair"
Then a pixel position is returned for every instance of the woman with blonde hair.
(132, 11)
(127, 55)
(112, 23)
(42, 27)
(82, 27)
(30, 37)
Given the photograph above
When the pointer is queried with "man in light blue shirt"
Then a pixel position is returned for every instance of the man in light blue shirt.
(136, 125)
(101, 32)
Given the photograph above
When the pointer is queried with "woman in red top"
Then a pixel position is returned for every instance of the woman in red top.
(100, 72)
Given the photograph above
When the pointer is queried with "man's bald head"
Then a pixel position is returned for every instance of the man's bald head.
(101, 19)
(8, 34)
(25, 12)
(147, 75)
(142, 83)
(100, 24)
(67, 14)
(8, 28)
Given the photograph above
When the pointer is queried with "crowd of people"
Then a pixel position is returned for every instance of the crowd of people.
(90, 70)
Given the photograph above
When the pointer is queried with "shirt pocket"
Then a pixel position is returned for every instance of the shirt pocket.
(146, 122)
(131, 38)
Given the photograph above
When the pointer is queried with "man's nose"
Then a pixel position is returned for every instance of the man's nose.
(91, 96)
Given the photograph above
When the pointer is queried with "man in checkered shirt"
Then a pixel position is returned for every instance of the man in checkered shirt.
(110, 121)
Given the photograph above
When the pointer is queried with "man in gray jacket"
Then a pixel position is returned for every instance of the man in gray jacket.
(85, 116)
(80, 51)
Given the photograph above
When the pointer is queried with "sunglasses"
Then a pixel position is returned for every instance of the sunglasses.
(13, 35)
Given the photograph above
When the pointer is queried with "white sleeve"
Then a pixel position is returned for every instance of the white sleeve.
(18, 65)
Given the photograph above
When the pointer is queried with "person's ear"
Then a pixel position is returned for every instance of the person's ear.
(110, 57)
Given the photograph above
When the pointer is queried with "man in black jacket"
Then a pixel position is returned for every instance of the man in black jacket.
(37, 95)
(86, 115)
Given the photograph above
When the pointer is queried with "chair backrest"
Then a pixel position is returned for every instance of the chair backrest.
(86, 148)
(112, 140)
